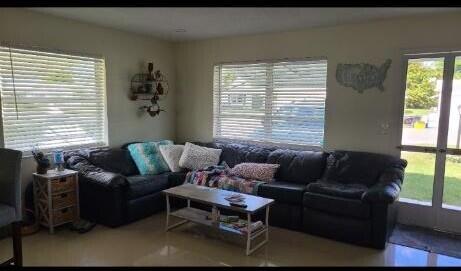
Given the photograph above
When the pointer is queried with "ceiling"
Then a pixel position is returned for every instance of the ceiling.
(180, 24)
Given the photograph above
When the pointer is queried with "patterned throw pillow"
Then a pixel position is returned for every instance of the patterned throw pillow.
(258, 171)
(148, 158)
(196, 157)
(172, 154)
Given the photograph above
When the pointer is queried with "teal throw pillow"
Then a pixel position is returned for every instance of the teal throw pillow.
(148, 158)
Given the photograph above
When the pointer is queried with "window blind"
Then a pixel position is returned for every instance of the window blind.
(51, 100)
(276, 102)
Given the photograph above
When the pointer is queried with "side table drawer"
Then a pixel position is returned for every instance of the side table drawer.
(63, 200)
(63, 215)
(63, 184)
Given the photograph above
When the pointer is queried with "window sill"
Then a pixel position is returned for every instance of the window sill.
(47, 152)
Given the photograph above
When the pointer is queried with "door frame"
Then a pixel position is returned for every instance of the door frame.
(431, 215)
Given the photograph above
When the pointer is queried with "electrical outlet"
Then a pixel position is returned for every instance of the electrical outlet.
(384, 128)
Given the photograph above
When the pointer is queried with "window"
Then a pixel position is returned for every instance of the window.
(51, 100)
(276, 102)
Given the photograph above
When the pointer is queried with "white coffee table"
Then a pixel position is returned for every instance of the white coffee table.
(215, 198)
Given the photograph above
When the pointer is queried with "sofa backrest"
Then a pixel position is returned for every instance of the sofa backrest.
(235, 153)
(300, 167)
(114, 160)
(359, 167)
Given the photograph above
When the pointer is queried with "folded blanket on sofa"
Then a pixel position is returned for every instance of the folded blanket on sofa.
(220, 177)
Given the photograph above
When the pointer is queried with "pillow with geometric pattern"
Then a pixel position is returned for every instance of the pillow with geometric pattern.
(257, 171)
(196, 157)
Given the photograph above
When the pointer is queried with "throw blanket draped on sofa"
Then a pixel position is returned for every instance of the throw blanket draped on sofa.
(220, 177)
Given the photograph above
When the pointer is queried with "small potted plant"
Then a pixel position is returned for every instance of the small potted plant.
(43, 163)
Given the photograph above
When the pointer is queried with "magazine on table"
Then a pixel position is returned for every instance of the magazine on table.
(236, 223)
(235, 198)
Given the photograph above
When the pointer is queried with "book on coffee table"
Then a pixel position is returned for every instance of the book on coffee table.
(235, 198)
(241, 225)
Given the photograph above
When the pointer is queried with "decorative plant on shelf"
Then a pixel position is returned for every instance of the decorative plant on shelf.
(43, 163)
(153, 109)
(149, 86)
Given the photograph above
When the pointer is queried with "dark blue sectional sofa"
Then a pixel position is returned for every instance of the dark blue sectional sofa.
(344, 195)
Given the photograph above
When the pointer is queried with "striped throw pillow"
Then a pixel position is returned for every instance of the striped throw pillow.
(148, 158)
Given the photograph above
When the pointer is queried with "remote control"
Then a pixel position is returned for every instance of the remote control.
(236, 204)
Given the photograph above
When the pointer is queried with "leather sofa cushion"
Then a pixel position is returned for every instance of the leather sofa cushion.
(352, 191)
(233, 153)
(337, 205)
(283, 192)
(176, 178)
(358, 167)
(300, 167)
(141, 185)
(114, 160)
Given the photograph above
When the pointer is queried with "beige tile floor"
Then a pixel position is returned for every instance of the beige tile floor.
(145, 243)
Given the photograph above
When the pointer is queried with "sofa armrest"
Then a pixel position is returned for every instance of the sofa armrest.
(388, 187)
(94, 174)
(383, 193)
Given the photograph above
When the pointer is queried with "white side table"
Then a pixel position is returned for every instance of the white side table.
(56, 198)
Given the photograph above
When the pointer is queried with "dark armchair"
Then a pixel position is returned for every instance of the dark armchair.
(353, 200)
(10, 199)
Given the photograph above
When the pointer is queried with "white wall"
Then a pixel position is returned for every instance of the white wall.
(125, 54)
(353, 120)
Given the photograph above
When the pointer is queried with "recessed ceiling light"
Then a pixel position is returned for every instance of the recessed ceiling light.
(180, 30)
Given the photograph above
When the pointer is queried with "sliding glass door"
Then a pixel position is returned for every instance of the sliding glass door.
(431, 193)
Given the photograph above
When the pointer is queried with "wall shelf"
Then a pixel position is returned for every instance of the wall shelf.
(149, 87)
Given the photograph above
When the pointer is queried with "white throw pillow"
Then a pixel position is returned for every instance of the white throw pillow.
(196, 157)
(171, 154)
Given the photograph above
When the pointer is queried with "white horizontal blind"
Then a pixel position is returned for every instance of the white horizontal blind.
(51, 100)
(276, 102)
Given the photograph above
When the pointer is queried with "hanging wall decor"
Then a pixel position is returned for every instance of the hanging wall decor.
(362, 76)
(150, 86)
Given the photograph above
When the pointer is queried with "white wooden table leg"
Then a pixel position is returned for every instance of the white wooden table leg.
(36, 195)
(167, 212)
(215, 215)
(248, 234)
(267, 223)
(50, 208)
(168, 215)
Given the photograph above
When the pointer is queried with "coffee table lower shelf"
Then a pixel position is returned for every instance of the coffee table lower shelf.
(199, 216)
